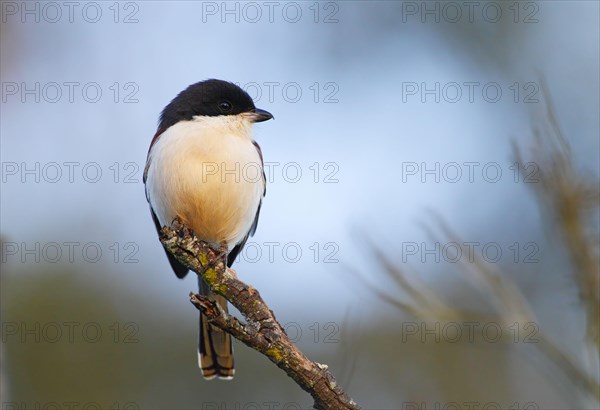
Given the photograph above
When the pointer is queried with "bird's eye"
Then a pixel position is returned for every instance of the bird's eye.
(224, 106)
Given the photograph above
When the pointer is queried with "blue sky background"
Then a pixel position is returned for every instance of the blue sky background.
(367, 135)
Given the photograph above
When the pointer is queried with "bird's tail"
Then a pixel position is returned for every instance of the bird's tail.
(215, 351)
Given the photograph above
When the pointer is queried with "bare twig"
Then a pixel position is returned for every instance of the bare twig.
(262, 332)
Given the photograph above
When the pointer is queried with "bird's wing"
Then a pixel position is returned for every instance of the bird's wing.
(238, 248)
(154, 139)
(178, 268)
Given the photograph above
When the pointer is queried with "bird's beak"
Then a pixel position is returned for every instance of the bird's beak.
(258, 115)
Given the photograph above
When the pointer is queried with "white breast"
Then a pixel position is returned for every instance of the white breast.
(208, 173)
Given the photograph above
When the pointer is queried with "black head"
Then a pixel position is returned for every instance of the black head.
(210, 98)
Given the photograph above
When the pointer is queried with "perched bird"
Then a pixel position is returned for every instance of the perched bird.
(200, 168)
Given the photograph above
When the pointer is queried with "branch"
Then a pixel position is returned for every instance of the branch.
(262, 332)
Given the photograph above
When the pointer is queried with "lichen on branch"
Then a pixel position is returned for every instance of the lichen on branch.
(262, 332)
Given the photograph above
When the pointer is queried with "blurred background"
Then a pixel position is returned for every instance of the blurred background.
(430, 229)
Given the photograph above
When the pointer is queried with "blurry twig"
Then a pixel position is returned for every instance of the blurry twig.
(569, 198)
(509, 302)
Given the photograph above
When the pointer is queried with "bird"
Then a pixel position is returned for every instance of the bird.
(200, 168)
